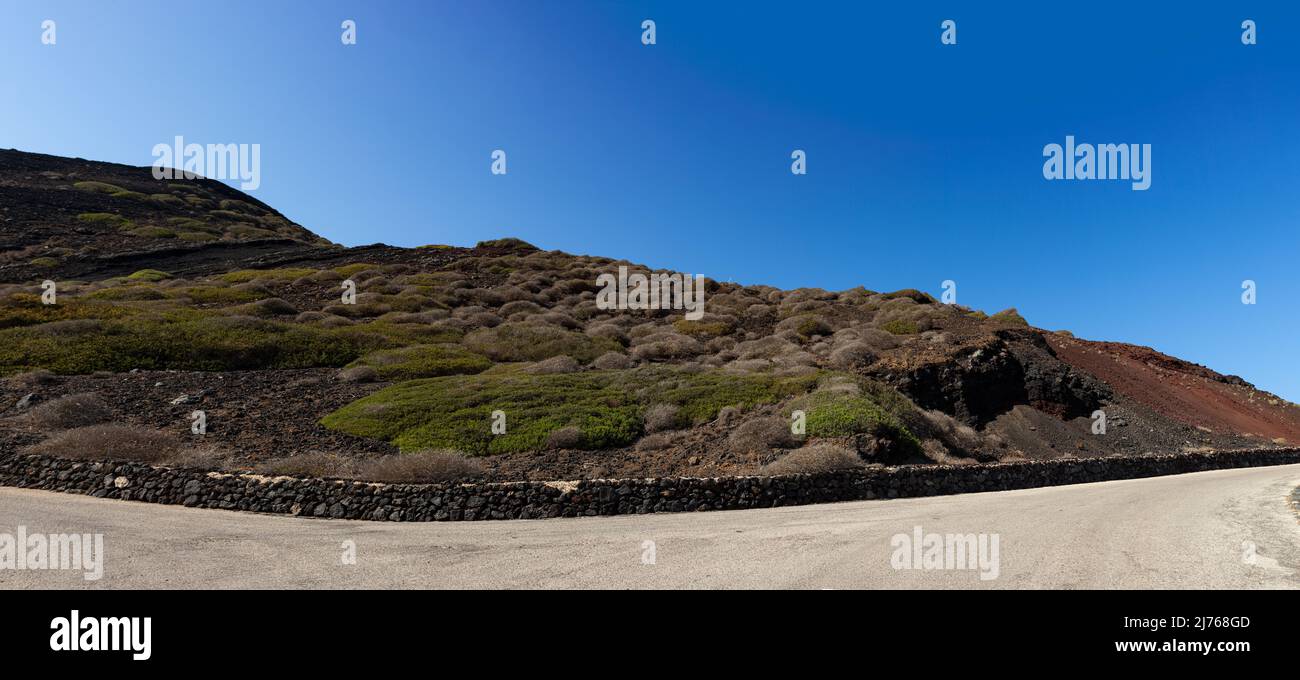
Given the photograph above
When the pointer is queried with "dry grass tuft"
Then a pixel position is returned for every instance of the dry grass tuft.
(814, 459)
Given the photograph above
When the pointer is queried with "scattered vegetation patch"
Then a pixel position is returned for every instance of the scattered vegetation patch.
(106, 220)
(606, 407)
(420, 467)
(900, 327)
(149, 275)
(99, 187)
(285, 274)
(26, 309)
(1009, 317)
(109, 442)
(74, 410)
(534, 342)
(423, 361)
(841, 413)
(186, 343)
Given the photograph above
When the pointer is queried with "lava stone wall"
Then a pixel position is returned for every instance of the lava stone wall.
(530, 500)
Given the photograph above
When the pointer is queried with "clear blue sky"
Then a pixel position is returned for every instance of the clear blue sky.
(924, 161)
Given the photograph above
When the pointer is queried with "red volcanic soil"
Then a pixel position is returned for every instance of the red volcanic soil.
(1183, 391)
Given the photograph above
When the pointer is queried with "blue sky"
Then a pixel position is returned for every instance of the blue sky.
(924, 160)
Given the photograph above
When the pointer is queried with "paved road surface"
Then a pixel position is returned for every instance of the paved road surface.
(1186, 531)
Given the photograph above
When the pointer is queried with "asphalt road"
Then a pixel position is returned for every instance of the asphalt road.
(1222, 529)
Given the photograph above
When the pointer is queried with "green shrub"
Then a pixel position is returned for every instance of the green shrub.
(834, 413)
(219, 295)
(1009, 317)
(106, 220)
(168, 200)
(152, 232)
(44, 262)
(130, 195)
(127, 293)
(900, 327)
(196, 236)
(149, 275)
(241, 207)
(285, 274)
(423, 361)
(606, 407)
(512, 243)
(192, 224)
(349, 270)
(920, 297)
(99, 187)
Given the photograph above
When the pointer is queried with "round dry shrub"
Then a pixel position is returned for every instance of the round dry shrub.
(613, 361)
(484, 319)
(74, 410)
(814, 459)
(728, 415)
(761, 435)
(467, 311)
(564, 438)
(533, 342)
(557, 319)
(806, 326)
(325, 276)
(420, 467)
(554, 365)
(667, 346)
(749, 365)
(655, 442)
(108, 442)
(335, 321)
(609, 331)
(33, 378)
(272, 307)
(358, 374)
(661, 417)
(765, 348)
(853, 356)
(314, 464)
(520, 307)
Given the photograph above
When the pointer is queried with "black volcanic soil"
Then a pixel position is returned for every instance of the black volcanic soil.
(255, 415)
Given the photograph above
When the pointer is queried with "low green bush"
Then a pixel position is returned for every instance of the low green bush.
(106, 219)
(285, 274)
(1009, 317)
(834, 413)
(900, 327)
(99, 187)
(423, 361)
(149, 275)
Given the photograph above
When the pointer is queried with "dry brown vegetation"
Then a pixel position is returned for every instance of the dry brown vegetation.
(813, 459)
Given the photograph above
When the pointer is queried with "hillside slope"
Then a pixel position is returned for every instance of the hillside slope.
(186, 296)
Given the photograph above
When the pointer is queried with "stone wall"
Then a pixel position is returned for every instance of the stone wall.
(530, 500)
